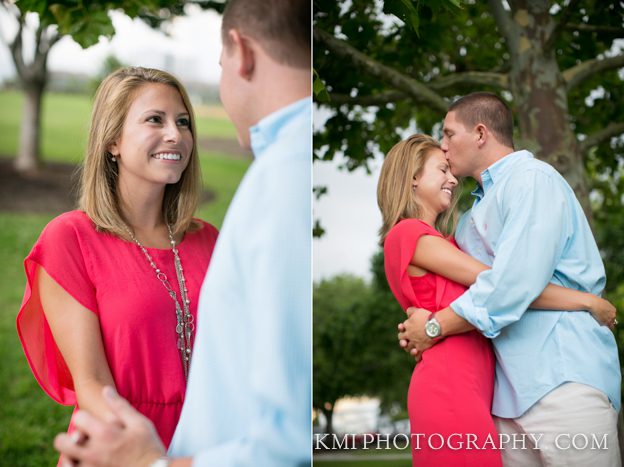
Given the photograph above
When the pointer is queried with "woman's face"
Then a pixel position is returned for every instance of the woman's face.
(156, 141)
(434, 188)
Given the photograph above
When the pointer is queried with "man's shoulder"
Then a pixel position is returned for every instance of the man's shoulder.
(535, 167)
(532, 171)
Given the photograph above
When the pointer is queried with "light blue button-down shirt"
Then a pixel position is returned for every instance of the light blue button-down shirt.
(528, 226)
(248, 401)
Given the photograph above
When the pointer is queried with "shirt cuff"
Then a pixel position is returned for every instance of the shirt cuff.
(475, 315)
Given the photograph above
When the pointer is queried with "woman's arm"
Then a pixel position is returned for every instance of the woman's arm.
(437, 255)
(76, 331)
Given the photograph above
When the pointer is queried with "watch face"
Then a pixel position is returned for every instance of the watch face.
(432, 328)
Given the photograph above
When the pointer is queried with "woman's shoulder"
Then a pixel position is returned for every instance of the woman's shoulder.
(69, 223)
(71, 233)
(204, 229)
(411, 227)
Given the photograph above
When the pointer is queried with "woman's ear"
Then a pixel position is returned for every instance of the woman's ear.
(113, 149)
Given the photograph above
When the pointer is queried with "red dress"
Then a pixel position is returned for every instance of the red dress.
(450, 394)
(113, 279)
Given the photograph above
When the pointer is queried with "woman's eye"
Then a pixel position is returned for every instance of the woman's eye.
(154, 119)
(184, 122)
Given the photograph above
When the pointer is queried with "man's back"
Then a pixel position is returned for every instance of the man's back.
(248, 399)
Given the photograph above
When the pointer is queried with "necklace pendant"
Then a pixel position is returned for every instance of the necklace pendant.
(184, 319)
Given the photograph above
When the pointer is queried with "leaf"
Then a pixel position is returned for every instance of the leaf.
(35, 6)
(405, 10)
(320, 92)
(317, 231)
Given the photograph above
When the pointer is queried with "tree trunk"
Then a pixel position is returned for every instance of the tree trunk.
(540, 96)
(329, 414)
(28, 155)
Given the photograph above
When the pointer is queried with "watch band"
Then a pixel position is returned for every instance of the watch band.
(161, 462)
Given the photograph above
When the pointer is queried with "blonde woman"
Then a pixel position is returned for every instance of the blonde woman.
(450, 393)
(112, 288)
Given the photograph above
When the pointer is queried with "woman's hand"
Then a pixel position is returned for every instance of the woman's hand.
(603, 311)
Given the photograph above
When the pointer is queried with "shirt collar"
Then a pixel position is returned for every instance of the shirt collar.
(499, 168)
(266, 131)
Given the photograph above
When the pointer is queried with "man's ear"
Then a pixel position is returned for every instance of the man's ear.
(244, 53)
(481, 133)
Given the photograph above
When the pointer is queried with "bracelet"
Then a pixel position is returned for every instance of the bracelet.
(161, 462)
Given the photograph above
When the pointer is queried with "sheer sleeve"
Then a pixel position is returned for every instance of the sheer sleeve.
(62, 251)
(399, 248)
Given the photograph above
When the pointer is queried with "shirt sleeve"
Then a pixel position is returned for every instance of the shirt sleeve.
(61, 253)
(399, 248)
(533, 207)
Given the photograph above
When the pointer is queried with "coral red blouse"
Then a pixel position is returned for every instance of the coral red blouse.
(113, 279)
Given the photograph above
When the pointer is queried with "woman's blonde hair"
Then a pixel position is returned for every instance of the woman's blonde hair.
(98, 176)
(404, 162)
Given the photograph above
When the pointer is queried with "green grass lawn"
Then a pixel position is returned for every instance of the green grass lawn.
(365, 463)
(370, 457)
(28, 418)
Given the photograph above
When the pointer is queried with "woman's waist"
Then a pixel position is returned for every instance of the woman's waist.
(467, 348)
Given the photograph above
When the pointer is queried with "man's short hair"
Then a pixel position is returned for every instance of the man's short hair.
(488, 109)
(282, 27)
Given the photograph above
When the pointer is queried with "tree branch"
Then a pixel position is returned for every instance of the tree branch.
(505, 24)
(562, 20)
(482, 78)
(38, 63)
(613, 129)
(577, 74)
(367, 101)
(498, 80)
(46, 38)
(418, 91)
(16, 50)
(593, 28)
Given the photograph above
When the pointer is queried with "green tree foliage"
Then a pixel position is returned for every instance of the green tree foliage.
(554, 61)
(338, 306)
(86, 22)
(355, 345)
(393, 371)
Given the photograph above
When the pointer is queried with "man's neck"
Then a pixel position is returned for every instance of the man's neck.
(490, 158)
(280, 88)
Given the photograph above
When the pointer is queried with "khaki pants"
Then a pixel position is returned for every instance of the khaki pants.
(573, 425)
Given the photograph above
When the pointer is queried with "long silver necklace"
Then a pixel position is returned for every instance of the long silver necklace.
(185, 323)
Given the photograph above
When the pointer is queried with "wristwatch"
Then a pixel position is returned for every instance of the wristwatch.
(161, 462)
(432, 327)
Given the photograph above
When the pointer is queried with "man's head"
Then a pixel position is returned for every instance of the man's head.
(478, 128)
(265, 58)
(282, 27)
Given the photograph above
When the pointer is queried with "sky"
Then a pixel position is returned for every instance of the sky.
(350, 217)
(191, 52)
(348, 213)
